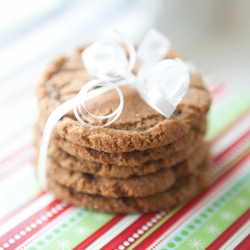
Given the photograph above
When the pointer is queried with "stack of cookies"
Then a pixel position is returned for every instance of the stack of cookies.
(143, 162)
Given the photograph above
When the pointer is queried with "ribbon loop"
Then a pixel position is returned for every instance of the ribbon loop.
(160, 102)
(165, 85)
(84, 96)
(154, 47)
(107, 60)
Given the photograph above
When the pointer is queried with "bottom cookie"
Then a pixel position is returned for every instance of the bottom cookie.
(184, 188)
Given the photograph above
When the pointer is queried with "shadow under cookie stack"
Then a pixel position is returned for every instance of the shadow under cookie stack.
(143, 162)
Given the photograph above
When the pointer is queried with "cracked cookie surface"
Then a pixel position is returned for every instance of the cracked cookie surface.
(139, 127)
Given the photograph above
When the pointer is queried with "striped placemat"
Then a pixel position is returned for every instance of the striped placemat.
(217, 218)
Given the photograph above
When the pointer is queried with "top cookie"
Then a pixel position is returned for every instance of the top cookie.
(139, 127)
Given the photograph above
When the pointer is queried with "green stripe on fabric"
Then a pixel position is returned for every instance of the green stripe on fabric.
(73, 231)
(56, 231)
(226, 112)
(214, 219)
(169, 215)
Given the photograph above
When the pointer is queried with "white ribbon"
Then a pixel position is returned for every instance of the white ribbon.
(107, 60)
(153, 48)
(162, 88)
(165, 85)
(191, 67)
(84, 95)
(77, 104)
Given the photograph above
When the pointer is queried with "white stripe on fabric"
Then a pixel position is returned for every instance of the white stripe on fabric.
(50, 226)
(114, 231)
(18, 218)
(237, 238)
(231, 136)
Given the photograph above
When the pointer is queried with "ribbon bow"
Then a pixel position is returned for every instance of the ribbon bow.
(162, 87)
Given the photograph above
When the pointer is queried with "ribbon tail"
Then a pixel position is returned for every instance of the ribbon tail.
(54, 117)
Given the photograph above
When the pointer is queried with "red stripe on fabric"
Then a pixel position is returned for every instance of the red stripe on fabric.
(245, 244)
(230, 231)
(225, 152)
(19, 209)
(120, 238)
(231, 126)
(87, 242)
(167, 224)
(27, 223)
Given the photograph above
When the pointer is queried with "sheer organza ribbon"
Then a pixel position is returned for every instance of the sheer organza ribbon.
(162, 88)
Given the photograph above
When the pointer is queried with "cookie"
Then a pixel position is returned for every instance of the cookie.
(184, 188)
(127, 158)
(139, 127)
(64, 160)
(134, 158)
(114, 171)
(133, 186)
